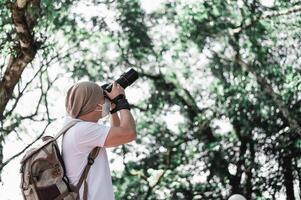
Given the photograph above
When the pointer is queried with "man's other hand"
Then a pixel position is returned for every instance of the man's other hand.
(116, 90)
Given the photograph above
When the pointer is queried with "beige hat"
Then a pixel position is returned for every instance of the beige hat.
(82, 98)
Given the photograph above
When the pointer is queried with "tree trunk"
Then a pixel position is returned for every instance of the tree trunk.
(24, 52)
(249, 173)
(288, 177)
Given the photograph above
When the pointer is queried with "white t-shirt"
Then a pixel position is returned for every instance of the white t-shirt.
(77, 143)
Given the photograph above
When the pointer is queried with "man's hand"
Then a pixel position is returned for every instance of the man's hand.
(116, 90)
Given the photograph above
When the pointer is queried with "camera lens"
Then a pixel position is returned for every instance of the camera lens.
(124, 80)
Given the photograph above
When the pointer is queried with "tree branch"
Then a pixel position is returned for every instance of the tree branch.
(2, 165)
(267, 15)
(141, 175)
(275, 97)
(267, 87)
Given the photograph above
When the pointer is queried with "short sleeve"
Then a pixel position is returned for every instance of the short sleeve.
(92, 134)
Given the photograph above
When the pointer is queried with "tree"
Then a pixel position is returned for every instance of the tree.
(203, 66)
(27, 43)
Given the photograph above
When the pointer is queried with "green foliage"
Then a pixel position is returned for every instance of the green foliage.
(207, 127)
(210, 19)
(6, 30)
(131, 20)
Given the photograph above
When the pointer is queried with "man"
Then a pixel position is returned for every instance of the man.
(85, 101)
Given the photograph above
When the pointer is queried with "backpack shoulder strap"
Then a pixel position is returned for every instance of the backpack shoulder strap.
(66, 128)
(92, 155)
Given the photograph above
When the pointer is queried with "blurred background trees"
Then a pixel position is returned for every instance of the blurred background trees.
(217, 104)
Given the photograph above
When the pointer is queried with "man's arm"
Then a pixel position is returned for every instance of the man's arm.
(124, 133)
(123, 130)
(115, 121)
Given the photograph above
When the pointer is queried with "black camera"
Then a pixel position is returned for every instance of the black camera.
(125, 80)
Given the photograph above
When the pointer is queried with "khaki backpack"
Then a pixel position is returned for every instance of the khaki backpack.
(43, 175)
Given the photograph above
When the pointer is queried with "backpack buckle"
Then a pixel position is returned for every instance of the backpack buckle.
(90, 161)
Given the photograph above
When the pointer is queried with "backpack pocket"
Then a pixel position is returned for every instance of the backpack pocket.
(48, 193)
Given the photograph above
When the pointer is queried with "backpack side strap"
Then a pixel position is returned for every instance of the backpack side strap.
(92, 155)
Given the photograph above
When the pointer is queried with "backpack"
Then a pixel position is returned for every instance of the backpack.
(43, 174)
